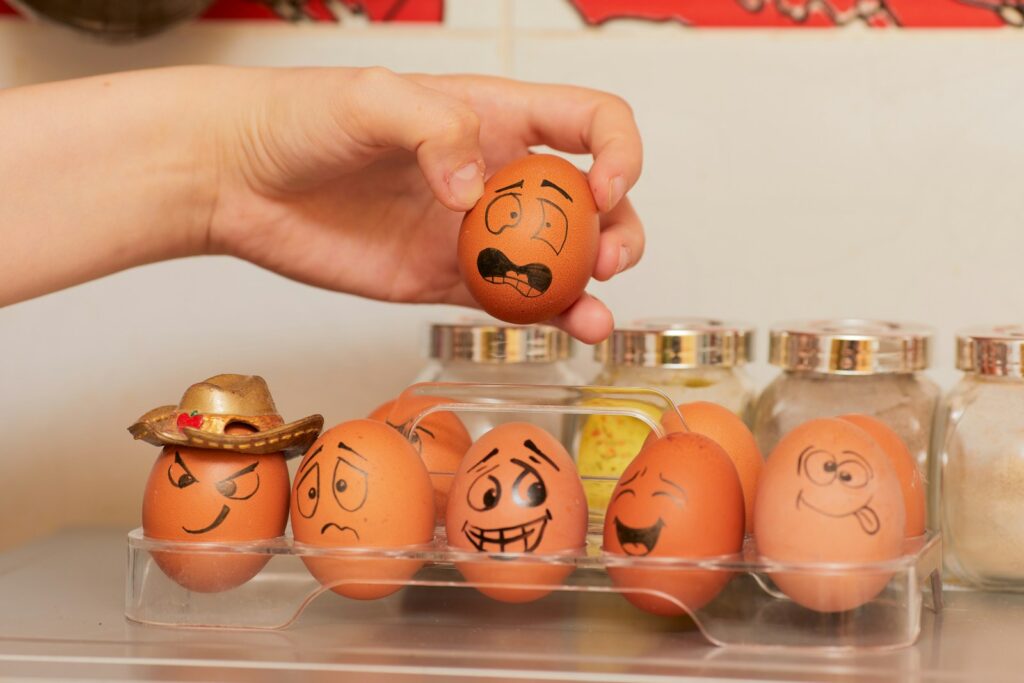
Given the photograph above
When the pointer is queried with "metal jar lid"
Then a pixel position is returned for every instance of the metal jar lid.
(850, 346)
(996, 350)
(678, 343)
(488, 342)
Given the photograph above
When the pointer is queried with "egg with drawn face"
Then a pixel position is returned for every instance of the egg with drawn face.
(829, 494)
(202, 495)
(528, 248)
(362, 485)
(516, 492)
(679, 498)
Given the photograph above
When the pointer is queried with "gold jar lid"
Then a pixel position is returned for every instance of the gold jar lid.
(490, 342)
(678, 343)
(996, 350)
(850, 346)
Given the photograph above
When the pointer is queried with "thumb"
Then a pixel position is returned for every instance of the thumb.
(392, 111)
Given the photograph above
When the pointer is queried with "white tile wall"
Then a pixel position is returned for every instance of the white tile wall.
(787, 174)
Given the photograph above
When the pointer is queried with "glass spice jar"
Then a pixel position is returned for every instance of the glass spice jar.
(497, 353)
(976, 487)
(689, 359)
(835, 367)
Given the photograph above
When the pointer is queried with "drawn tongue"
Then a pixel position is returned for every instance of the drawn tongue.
(868, 520)
(635, 548)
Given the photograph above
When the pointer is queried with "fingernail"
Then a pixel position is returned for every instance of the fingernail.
(624, 256)
(616, 188)
(467, 184)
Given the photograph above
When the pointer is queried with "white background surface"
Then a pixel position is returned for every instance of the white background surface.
(788, 174)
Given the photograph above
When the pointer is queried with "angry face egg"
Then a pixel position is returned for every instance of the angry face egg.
(362, 485)
(516, 491)
(680, 497)
(828, 494)
(528, 248)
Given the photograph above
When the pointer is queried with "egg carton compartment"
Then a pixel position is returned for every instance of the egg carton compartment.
(737, 600)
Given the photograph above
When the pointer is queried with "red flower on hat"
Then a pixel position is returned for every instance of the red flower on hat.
(193, 419)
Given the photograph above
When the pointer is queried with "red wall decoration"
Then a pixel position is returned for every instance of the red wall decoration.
(709, 13)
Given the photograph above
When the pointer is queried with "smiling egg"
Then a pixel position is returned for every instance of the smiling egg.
(362, 485)
(517, 492)
(680, 498)
(829, 494)
(528, 248)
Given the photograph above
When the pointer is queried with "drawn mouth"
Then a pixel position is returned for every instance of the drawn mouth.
(213, 525)
(523, 538)
(530, 280)
(638, 541)
(341, 529)
(865, 514)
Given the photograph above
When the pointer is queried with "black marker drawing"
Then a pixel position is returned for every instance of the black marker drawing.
(340, 529)
(528, 489)
(350, 486)
(519, 538)
(824, 469)
(212, 525)
(530, 280)
(554, 226)
(240, 486)
(503, 212)
(178, 473)
(633, 539)
(307, 491)
(548, 183)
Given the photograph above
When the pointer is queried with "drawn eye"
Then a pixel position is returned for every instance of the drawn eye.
(528, 490)
(853, 474)
(241, 485)
(484, 493)
(820, 467)
(349, 486)
(178, 473)
(553, 226)
(504, 211)
(307, 492)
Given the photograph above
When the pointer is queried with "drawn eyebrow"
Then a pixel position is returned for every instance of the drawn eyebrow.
(484, 459)
(800, 460)
(862, 460)
(533, 447)
(342, 444)
(177, 459)
(630, 480)
(509, 187)
(672, 484)
(548, 183)
(358, 469)
(310, 459)
(244, 470)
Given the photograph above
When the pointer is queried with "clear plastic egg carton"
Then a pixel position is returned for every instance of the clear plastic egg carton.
(748, 612)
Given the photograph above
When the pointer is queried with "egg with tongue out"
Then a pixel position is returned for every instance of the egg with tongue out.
(528, 248)
(517, 500)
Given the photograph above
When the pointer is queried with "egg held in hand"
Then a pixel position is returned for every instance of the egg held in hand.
(528, 248)
(440, 439)
(203, 495)
(829, 494)
(681, 498)
(362, 485)
(516, 491)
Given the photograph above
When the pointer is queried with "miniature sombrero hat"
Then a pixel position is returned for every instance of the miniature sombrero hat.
(208, 409)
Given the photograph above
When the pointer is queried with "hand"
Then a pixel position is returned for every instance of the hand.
(356, 179)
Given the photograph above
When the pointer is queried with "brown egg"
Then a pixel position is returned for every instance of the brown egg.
(829, 494)
(440, 438)
(529, 246)
(516, 491)
(199, 495)
(362, 485)
(728, 431)
(905, 465)
(680, 497)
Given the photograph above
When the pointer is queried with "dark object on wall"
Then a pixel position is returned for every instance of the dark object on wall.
(114, 20)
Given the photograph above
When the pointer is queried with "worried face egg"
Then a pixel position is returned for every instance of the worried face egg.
(829, 494)
(362, 485)
(680, 497)
(516, 491)
(528, 248)
(199, 495)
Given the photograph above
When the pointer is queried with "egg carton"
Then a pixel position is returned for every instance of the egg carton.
(749, 611)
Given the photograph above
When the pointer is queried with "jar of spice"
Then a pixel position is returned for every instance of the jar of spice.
(496, 353)
(977, 469)
(689, 359)
(835, 367)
